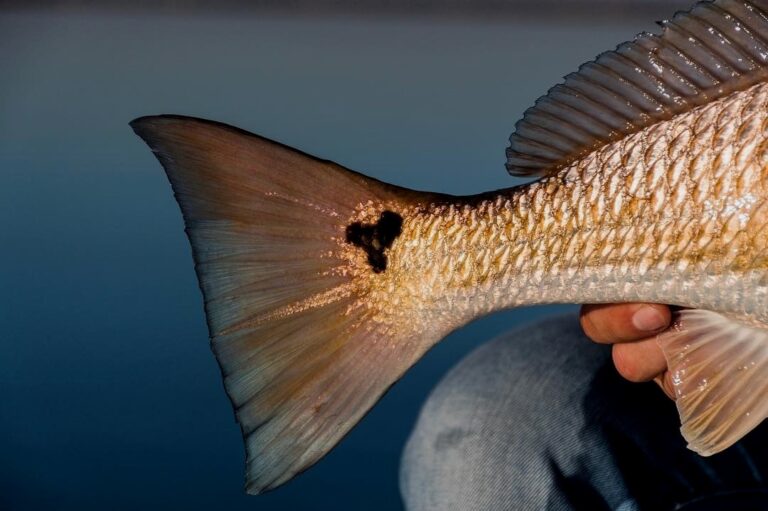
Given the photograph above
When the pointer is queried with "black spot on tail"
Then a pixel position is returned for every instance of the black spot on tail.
(375, 238)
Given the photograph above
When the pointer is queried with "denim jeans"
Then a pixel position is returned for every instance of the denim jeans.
(538, 419)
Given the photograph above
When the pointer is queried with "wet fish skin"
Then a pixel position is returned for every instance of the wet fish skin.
(676, 213)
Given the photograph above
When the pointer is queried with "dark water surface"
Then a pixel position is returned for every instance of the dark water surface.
(111, 398)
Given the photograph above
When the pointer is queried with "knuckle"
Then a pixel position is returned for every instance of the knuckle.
(595, 330)
(586, 324)
(627, 365)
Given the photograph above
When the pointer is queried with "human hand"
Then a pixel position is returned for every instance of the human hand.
(632, 328)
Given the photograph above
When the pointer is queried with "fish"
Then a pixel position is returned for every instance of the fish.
(322, 286)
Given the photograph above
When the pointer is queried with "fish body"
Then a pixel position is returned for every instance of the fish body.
(676, 213)
(323, 286)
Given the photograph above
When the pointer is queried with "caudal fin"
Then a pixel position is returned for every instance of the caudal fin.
(286, 261)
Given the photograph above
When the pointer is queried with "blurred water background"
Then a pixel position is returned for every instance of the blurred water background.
(109, 395)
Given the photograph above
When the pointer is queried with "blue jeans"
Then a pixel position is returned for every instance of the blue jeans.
(538, 419)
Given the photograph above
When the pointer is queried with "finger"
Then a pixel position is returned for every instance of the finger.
(639, 361)
(665, 382)
(611, 323)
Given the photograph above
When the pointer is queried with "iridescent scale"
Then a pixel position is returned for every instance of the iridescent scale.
(675, 213)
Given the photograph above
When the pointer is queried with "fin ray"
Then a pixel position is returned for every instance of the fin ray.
(719, 369)
(302, 349)
(704, 54)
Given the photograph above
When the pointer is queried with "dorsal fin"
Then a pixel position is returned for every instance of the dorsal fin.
(716, 48)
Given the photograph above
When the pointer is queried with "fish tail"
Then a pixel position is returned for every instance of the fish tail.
(288, 250)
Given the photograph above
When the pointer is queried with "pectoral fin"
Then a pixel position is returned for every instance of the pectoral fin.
(719, 369)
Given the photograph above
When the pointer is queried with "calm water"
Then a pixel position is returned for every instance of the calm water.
(110, 395)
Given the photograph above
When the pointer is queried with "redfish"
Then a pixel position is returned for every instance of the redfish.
(323, 286)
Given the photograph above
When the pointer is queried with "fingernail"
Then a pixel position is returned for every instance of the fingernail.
(648, 319)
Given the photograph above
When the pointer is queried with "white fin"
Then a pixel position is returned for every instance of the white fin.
(302, 353)
(702, 55)
(719, 369)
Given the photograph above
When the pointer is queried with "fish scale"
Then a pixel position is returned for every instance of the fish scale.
(652, 212)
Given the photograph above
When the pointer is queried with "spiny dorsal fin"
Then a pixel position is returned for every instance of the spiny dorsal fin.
(716, 48)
